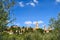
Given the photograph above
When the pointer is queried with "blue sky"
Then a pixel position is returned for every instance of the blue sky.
(29, 11)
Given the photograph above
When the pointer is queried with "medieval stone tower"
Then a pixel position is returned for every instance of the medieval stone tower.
(37, 26)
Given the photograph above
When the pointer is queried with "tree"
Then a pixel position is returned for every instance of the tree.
(55, 23)
(5, 6)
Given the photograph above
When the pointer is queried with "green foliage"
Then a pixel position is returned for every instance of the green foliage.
(5, 6)
(55, 23)
(32, 36)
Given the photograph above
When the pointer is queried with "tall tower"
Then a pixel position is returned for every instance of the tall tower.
(37, 26)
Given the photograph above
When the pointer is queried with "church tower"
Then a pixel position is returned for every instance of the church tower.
(37, 26)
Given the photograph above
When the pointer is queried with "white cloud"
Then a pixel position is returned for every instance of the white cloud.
(34, 22)
(21, 4)
(39, 22)
(28, 22)
(16, 23)
(35, 1)
(57, 0)
(32, 4)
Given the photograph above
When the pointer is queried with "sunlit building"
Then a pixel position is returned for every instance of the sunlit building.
(36, 26)
(47, 30)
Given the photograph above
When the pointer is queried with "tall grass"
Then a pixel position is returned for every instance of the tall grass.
(32, 36)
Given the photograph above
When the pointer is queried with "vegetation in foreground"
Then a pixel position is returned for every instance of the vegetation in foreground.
(31, 36)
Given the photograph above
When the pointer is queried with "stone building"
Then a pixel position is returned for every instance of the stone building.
(36, 26)
(47, 30)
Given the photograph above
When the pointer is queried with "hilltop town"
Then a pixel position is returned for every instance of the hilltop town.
(14, 29)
